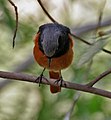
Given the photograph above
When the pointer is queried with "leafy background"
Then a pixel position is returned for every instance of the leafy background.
(27, 101)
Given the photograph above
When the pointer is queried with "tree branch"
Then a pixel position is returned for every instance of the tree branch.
(31, 78)
(16, 27)
(46, 12)
(88, 43)
(90, 84)
(100, 15)
(75, 99)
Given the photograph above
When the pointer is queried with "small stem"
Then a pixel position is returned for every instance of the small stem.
(75, 99)
(88, 43)
(16, 27)
(46, 12)
(100, 15)
(90, 84)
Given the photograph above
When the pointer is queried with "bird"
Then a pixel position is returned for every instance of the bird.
(53, 50)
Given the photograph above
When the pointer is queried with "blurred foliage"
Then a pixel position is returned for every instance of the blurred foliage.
(27, 101)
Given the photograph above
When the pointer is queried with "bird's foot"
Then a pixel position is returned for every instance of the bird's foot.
(39, 79)
(60, 80)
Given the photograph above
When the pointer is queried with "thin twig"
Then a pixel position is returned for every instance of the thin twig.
(88, 43)
(100, 15)
(74, 86)
(16, 27)
(90, 84)
(80, 39)
(46, 12)
(98, 25)
(106, 51)
(75, 99)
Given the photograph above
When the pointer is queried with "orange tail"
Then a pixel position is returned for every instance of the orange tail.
(54, 75)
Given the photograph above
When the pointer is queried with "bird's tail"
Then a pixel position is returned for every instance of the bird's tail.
(54, 75)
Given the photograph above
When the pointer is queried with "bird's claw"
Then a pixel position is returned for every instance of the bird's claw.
(39, 79)
(59, 80)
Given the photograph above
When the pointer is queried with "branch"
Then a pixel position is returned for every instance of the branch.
(100, 15)
(75, 99)
(88, 43)
(16, 27)
(46, 12)
(74, 86)
(90, 84)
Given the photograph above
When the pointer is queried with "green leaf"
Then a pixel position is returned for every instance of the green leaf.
(92, 51)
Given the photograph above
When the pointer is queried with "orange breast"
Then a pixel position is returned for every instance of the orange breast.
(58, 63)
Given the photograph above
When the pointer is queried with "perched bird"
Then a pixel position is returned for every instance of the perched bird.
(53, 50)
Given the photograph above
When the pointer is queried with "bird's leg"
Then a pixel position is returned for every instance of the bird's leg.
(60, 79)
(39, 79)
